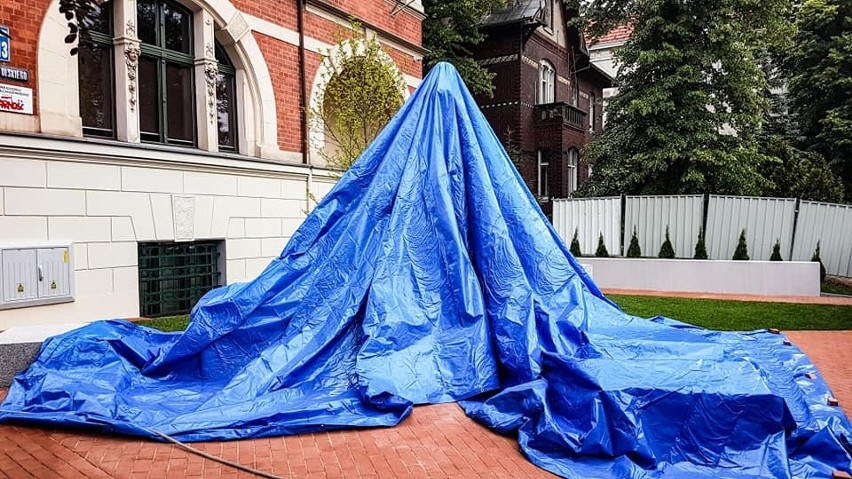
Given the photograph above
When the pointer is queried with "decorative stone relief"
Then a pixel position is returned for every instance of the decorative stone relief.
(209, 52)
(184, 211)
(211, 73)
(130, 29)
(131, 59)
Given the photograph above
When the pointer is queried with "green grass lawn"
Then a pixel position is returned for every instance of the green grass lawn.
(709, 313)
(835, 288)
(739, 315)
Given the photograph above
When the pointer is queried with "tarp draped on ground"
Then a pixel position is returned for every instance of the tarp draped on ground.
(429, 274)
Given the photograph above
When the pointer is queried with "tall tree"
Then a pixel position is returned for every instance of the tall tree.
(450, 28)
(690, 99)
(820, 82)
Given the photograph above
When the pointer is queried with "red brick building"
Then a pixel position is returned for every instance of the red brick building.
(548, 95)
(177, 136)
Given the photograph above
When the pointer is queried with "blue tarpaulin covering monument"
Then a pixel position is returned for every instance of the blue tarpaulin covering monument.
(429, 274)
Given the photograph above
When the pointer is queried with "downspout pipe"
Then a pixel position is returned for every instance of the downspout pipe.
(303, 97)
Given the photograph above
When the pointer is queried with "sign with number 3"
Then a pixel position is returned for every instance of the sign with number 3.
(5, 45)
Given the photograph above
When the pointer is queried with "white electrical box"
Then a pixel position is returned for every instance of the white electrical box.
(35, 275)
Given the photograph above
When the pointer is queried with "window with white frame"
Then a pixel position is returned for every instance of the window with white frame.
(166, 78)
(592, 113)
(546, 84)
(541, 182)
(573, 161)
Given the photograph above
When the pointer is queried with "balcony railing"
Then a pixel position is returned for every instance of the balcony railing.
(570, 115)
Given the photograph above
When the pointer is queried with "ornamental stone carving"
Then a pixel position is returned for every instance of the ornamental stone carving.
(211, 74)
(131, 59)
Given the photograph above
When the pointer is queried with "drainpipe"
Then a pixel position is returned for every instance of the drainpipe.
(302, 82)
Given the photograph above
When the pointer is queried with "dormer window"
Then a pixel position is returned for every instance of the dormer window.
(546, 85)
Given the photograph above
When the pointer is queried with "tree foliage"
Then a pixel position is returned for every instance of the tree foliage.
(450, 29)
(634, 250)
(741, 253)
(817, 258)
(794, 173)
(575, 245)
(601, 252)
(820, 82)
(690, 99)
(666, 249)
(776, 252)
(700, 246)
(363, 92)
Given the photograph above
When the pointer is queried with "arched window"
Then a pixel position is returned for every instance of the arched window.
(546, 86)
(573, 161)
(167, 80)
(95, 66)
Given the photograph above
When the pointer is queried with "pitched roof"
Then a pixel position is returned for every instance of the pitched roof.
(619, 34)
(516, 11)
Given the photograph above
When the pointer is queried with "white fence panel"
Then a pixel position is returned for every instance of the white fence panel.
(590, 217)
(764, 219)
(831, 225)
(683, 214)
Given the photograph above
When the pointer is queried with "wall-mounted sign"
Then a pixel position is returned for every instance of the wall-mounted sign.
(16, 99)
(5, 45)
(12, 73)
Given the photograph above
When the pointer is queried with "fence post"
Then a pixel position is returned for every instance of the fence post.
(795, 223)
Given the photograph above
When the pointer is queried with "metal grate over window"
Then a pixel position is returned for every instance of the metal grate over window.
(174, 276)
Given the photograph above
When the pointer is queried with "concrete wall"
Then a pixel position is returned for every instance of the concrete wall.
(765, 278)
(104, 199)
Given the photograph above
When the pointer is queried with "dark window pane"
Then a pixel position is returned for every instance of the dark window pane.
(146, 13)
(100, 20)
(178, 36)
(179, 102)
(226, 111)
(149, 99)
(96, 100)
(221, 56)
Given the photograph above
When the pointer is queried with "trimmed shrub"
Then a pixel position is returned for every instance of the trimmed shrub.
(816, 258)
(776, 252)
(667, 250)
(741, 253)
(700, 246)
(634, 251)
(575, 245)
(601, 251)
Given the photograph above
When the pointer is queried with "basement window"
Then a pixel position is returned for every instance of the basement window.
(174, 276)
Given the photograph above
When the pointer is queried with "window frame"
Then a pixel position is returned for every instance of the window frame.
(227, 70)
(546, 92)
(542, 180)
(592, 113)
(573, 163)
(163, 56)
(105, 41)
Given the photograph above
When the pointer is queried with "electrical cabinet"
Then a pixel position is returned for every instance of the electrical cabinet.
(35, 275)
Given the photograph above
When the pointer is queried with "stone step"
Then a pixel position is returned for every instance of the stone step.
(19, 346)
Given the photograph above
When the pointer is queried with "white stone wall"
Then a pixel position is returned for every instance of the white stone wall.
(104, 204)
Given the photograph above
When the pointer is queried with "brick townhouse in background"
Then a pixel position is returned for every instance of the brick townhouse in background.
(171, 155)
(548, 95)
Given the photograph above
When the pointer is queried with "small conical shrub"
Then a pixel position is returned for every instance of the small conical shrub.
(601, 251)
(816, 258)
(666, 250)
(776, 252)
(575, 246)
(634, 251)
(700, 246)
(741, 253)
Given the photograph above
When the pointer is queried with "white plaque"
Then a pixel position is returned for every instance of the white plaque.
(16, 99)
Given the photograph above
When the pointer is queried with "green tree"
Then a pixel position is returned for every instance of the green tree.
(450, 29)
(820, 84)
(817, 258)
(690, 99)
(700, 246)
(575, 245)
(794, 173)
(666, 249)
(634, 250)
(601, 252)
(363, 91)
(741, 253)
(776, 252)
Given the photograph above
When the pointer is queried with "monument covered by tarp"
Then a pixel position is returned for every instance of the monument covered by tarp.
(429, 274)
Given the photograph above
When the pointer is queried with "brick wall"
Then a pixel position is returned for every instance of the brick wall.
(24, 17)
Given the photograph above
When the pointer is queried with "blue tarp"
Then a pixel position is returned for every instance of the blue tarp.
(429, 274)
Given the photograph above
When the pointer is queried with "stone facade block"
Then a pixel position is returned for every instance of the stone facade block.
(272, 247)
(122, 229)
(83, 176)
(23, 229)
(112, 255)
(79, 229)
(135, 205)
(23, 172)
(125, 279)
(209, 183)
(242, 248)
(259, 187)
(152, 180)
(92, 281)
(30, 202)
(263, 227)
